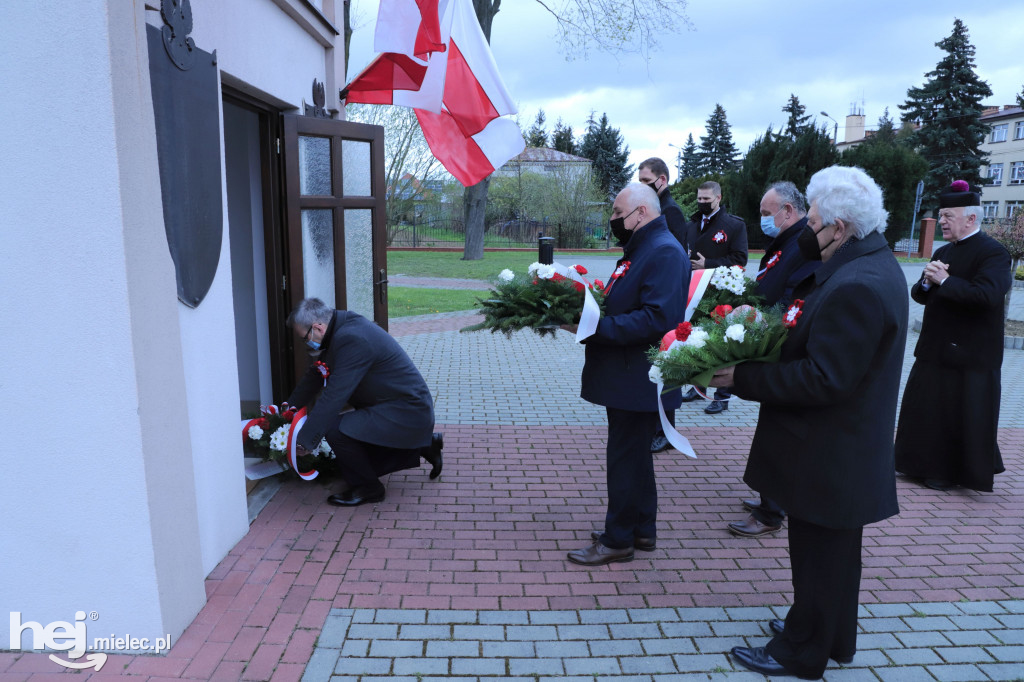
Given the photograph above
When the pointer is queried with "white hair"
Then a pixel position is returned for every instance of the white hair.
(639, 194)
(848, 194)
(975, 211)
(310, 311)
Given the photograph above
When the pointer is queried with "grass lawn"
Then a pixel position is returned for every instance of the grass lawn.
(405, 301)
(450, 263)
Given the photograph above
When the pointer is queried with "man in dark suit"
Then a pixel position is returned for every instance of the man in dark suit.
(646, 297)
(823, 444)
(372, 405)
(654, 173)
(950, 412)
(783, 218)
(714, 238)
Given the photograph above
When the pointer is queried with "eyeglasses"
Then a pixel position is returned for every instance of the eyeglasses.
(308, 332)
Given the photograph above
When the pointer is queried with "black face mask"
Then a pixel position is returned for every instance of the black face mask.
(704, 207)
(808, 244)
(653, 185)
(618, 227)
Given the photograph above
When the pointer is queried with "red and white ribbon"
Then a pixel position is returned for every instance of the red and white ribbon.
(699, 281)
(591, 313)
(293, 442)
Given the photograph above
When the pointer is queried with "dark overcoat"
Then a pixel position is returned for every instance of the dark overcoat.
(644, 304)
(723, 241)
(777, 281)
(373, 374)
(673, 217)
(823, 447)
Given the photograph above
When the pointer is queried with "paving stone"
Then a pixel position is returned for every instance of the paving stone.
(920, 639)
(652, 615)
(647, 664)
(452, 649)
(504, 618)
(400, 616)
(1007, 654)
(757, 613)
(592, 666)
(957, 673)
(975, 638)
(454, 616)
(396, 647)
(634, 631)
(363, 666)
(536, 666)
(848, 675)
(674, 645)
(334, 632)
(937, 608)
(421, 666)
(589, 632)
(1004, 672)
(884, 625)
(563, 649)
(320, 666)
(355, 647)
(686, 663)
(554, 617)
(509, 650)
(909, 674)
(722, 644)
(478, 632)
(365, 631)
(424, 632)
(913, 656)
(691, 629)
(604, 616)
(533, 633)
(964, 654)
(1015, 621)
(478, 666)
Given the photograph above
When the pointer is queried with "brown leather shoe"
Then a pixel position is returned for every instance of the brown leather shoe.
(599, 555)
(752, 528)
(751, 505)
(643, 544)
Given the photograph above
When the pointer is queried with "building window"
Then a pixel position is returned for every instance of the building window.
(991, 209)
(995, 174)
(1018, 131)
(999, 132)
(1017, 173)
(1013, 208)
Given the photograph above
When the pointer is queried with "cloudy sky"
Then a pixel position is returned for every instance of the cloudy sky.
(747, 55)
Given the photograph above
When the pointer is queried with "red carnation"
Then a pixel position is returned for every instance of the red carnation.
(263, 423)
(599, 285)
(683, 331)
(579, 286)
(557, 277)
(289, 413)
(960, 186)
(580, 269)
(721, 311)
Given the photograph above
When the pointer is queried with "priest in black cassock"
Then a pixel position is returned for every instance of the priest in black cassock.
(950, 413)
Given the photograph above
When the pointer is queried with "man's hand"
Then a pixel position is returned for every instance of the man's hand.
(698, 262)
(569, 327)
(723, 377)
(936, 272)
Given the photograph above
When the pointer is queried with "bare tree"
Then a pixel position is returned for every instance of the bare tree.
(617, 26)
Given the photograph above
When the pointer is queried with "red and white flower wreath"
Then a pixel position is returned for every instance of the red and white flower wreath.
(772, 262)
(719, 237)
(793, 313)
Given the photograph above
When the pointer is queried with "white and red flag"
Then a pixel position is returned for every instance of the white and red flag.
(456, 90)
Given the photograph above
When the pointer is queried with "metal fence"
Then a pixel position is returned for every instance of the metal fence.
(434, 232)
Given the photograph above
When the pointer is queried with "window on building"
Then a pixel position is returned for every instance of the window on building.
(995, 174)
(999, 132)
(1017, 173)
(1013, 208)
(1018, 131)
(991, 209)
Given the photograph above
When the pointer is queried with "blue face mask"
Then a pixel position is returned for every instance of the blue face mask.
(768, 225)
(315, 345)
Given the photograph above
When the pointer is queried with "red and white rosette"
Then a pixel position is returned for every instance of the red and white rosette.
(293, 440)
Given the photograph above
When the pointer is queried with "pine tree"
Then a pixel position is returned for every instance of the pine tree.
(537, 135)
(689, 166)
(1020, 98)
(717, 151)
(948, 108)
(602, 144)
(562, 138)
(797, 122)
(886, 129)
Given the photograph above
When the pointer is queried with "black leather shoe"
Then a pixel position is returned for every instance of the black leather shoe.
(939, 484)
(752, 528)
(758, 660)
(716, 407)
(597, 554)
(691, 395)
(659, 443)
(435, 457)
(777, 626)
(356, 496)
(751, 505)
(643, 544)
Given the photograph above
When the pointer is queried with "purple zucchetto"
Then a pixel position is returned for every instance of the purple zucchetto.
(959, 194)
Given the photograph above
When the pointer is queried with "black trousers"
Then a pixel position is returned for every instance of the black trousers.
(361, 463)
(632, 491)
(768, 512)
(822, 622)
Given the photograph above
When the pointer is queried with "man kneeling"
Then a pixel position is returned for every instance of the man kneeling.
(371, 403)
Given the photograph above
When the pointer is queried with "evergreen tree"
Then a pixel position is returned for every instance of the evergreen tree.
(797, 122)
(717, 151)
(562, 138)
(603, 145)
(689, 166)
(537, 135)
(896, 168)
(1020, 98)
(948, 109)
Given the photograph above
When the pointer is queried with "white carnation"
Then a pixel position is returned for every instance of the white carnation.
(533, 268)
(325, 449)
(698, 338)
(279, 439)
(545, 272)
(735, 332)
(655, 375)
(255, 432)
(506, 275)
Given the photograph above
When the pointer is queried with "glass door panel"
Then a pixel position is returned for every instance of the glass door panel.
(318, 254)
(359, 279)
(314, 165)
(357, 180)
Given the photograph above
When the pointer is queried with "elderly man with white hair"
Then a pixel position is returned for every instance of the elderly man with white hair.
(645, 298)
(823, 447)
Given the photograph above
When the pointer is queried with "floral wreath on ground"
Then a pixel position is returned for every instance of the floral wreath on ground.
(267, 436)
(541, 300)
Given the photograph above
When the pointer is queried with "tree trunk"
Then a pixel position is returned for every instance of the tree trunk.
(474, 206)
(347, 28)
(1014, 264)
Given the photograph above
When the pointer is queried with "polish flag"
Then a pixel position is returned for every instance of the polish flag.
(412, 27)
(459, 96)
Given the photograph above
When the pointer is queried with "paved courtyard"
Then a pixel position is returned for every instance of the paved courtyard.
(465, 577)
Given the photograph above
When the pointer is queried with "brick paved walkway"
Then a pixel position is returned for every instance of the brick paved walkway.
(465, 576)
